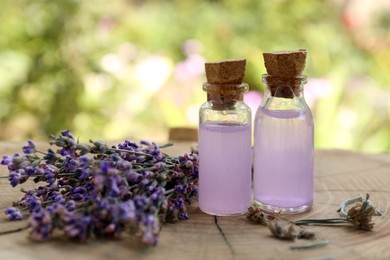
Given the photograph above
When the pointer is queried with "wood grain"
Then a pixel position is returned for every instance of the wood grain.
(339, 175)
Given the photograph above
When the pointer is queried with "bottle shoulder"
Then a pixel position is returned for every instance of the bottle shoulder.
(287, 113)
(237, 105)
(277, 103)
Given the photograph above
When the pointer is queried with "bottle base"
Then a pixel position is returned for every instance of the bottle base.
(283, 210)
(221, 214)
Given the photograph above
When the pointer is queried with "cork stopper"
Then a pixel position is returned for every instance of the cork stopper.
(284, 70)
(225, 72)
(224, 81)
(285, 64)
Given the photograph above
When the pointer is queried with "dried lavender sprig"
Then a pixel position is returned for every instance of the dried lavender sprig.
(360, 215)
(318, 221)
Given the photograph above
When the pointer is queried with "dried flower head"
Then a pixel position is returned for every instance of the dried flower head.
(258, 216)
(282, 230)
(360, 215)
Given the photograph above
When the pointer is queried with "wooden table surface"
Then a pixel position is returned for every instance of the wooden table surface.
(339, 175)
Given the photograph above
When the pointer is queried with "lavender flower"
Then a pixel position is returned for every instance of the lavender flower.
(41, 225)
(78, 228)
(13, 214)
(6, 160)
(29, 148)
(66, 133)
(15, 178)
(93, 190)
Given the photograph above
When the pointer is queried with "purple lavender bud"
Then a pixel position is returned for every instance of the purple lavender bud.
(183, 216)
(70, 164)
(147, 174)
(189, 164)
(140, 158)
(127, 211)
(156, 195)
(124, 165)
(105, 166)
(59, 199)
(29, 148)
(140, 202)
(183, 159)
(113, 185)
(179, 203)
(144, 142)
(50, 174)
(14, 178)
(39, 171)
(144, 182)
(159, 165)
(70, 205)
(13, 214)
(17, 177)
(115, 157)
(41, 225)
(54, 208)
(67, 133)
(85, 161)
(78, 227)
(41, 190)
(79, 193)
(66, 151)
(180, 189)
(33, 203)
(132, 177)
(83, 174)
(29, 170)
(6, 160)
(131, 144)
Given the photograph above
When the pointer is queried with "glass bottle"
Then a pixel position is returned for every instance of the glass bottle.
(284, 147)
(225, 155)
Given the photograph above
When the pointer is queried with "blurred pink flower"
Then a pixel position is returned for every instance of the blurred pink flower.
(317, 88)
(253, 99)
(193, 65)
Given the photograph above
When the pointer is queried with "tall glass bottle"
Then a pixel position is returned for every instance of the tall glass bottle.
(225, 154)
(284, 147)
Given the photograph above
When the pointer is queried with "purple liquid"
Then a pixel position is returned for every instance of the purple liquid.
(283, 160)
(225, 158)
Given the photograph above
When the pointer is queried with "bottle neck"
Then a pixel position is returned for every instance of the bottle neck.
(225, 95)
(225, 92)
(281, 87)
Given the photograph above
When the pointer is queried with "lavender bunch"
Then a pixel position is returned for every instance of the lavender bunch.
(92, 190)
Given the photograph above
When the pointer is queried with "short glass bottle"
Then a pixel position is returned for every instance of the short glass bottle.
(284, 147)
(225, 155)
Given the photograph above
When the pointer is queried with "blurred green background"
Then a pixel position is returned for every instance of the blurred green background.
(132, 69)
